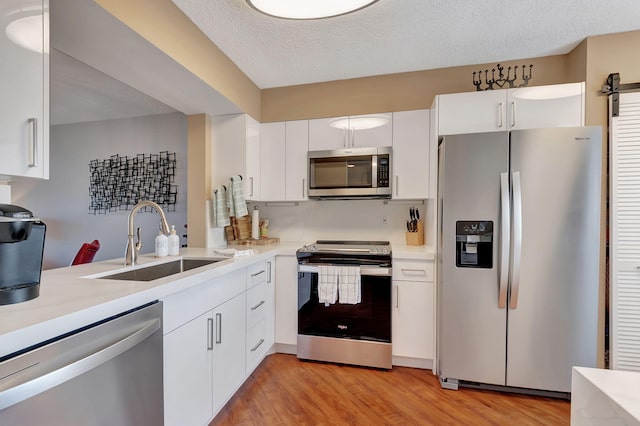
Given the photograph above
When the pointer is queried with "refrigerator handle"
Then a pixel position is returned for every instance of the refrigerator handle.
(517, 240)
(505, 229)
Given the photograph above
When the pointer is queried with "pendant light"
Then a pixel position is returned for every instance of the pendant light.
(308, 9)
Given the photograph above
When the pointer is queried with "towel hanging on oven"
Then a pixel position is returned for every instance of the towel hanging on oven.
(327, 284)
(349, 289)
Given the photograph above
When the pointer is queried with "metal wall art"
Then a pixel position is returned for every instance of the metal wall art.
(502, 81)
(119, 182)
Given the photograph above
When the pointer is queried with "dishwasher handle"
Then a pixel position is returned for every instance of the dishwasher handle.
(37, 385)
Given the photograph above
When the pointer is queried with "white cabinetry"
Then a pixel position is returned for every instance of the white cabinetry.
(24, 84)
(286, 305)
(228, 349)
(283, 160)
(236, 150)
(560, 105)
(358, 131)
(259, 313)
(411, 155)
(413, 313)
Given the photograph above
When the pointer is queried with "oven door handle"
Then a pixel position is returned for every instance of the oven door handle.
(364, 270)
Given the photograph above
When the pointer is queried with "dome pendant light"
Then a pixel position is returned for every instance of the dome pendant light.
(308, 9)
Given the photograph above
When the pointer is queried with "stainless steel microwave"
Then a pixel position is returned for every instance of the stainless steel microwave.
(350, 173)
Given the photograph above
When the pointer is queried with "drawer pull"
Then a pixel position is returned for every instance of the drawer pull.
(258, 305)
(209, 334)
(253, 349)
(413, 271)
(257, 273)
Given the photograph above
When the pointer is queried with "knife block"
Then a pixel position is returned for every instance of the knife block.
(416, 238)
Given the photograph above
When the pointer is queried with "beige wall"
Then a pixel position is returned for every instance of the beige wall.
(392, 92)
(165, 26)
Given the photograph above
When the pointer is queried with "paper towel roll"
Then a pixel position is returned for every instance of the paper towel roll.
(255, 223)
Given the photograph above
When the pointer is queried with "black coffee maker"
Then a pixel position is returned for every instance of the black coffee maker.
(21, 248)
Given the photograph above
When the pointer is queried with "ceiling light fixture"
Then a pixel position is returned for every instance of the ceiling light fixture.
(27, 32)
(308, 9)
(359, 122)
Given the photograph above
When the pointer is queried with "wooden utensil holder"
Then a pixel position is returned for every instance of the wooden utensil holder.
(416, 238)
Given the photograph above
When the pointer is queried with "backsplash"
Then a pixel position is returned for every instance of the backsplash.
(344, 220)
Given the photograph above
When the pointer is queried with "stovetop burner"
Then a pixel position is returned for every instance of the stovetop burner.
(342, 252)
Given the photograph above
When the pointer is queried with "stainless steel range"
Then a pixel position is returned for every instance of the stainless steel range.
(344, 302)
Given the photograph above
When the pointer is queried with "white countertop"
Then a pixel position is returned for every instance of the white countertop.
(605, 397)
(69, 299)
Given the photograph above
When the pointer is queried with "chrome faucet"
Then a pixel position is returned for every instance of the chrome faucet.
(133, 249)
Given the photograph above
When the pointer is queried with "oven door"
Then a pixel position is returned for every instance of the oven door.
(368, 320)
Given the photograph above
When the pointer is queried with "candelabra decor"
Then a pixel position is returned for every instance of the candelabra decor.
(502, 81)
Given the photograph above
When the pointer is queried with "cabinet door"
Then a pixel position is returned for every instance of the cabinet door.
(188, 372)
(560, 105)
(286, 305)
(370, 130)
(273, 161)
(228, 349)
(411, 154)
(412, 319)
(297, 146)
(328, 133)
(252, 182)
(24, 84)
(472, 112)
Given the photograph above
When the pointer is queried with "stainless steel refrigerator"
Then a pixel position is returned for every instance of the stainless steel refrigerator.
(518, 263)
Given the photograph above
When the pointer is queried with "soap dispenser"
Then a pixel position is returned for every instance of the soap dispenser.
(174, 242)
(161, 245)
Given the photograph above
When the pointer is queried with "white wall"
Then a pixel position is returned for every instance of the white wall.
(343, 220)
(62, 202)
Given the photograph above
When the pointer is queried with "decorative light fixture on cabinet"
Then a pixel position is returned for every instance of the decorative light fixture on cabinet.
(308, 9)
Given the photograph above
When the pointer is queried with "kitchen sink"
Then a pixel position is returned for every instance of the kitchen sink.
(153, 272)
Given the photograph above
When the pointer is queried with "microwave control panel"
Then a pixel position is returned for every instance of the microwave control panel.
(383, 171)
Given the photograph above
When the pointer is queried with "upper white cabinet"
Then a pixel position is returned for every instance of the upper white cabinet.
(358, 131)
(560, 105)
(283, 160)
(411, 163)
(24, 84)
(236, 150)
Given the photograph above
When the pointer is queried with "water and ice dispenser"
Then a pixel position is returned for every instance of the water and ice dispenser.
(474, 244)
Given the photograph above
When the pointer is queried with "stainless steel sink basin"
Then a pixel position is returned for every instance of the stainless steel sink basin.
(153, 272)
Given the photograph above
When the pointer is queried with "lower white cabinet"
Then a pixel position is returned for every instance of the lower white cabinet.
(286, 306)
(259, 314)
(413, 311)
(228, 350)
(188, 369)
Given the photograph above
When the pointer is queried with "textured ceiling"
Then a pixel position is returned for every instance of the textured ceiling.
(402, 35)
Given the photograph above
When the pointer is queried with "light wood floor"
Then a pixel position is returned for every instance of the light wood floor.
(286, 391)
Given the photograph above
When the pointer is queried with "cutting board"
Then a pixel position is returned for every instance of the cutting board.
(260, 242)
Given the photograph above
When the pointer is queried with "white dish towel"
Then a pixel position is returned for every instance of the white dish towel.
(235, 199)
(349, 287)
(327, 284)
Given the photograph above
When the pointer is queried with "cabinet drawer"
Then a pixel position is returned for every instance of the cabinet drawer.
(179, 308)
(256, 274)
(412, 270)
(256, 345)
(256, 304)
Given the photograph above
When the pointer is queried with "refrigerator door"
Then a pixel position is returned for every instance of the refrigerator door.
(553, 301)
(472, 326)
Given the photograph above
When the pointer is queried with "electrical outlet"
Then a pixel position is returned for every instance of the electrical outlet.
(384, 220)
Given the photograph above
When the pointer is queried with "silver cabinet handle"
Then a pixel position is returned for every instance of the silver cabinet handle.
(344, 137)
(253, 349)
(303, 186)
(251, 192)
(413, 271)
(209, 334)
(500, 115)
(269, 269)
(517, 240)
(258, 305)
(257, 273)
(505, 227)
(34, 142)
(397, 186)
(397, 296)
(513, 114)
(353, 137)
(37, 385)
(219, 328)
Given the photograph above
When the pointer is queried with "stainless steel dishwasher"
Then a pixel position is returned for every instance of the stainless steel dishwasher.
(109, 373)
